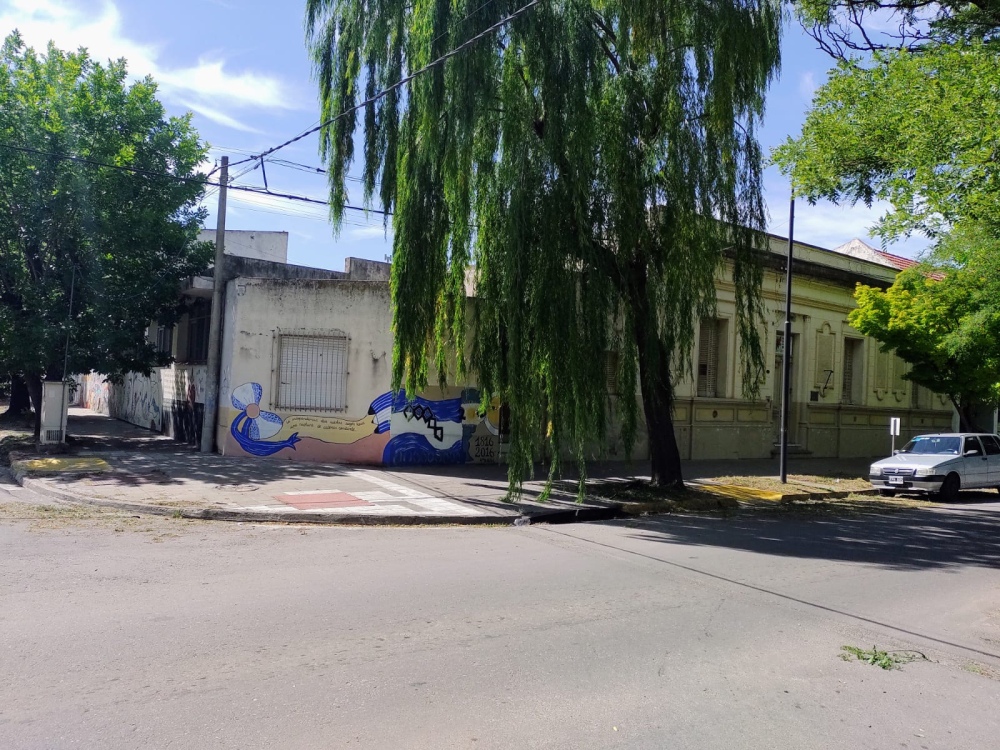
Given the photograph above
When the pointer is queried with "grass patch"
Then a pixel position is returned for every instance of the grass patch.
(878, 658)
(14, 441)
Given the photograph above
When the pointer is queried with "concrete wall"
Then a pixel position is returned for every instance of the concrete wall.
(272, 246)
(441, 426)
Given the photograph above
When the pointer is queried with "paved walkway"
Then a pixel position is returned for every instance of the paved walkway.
(114, 463)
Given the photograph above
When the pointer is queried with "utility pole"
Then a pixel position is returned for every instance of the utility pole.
(63, 417)
(211, 416)
(786, 354)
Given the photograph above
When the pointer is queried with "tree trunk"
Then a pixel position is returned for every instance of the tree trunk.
(20, 401)
(34, 384)
(657, 394)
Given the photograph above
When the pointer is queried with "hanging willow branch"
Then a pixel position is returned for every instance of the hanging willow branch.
(595, 163)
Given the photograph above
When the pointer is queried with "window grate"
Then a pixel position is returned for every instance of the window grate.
(847, 390)
(708, 358)
(611, 371)
(312, 373)
(165, 339)
(199, 321)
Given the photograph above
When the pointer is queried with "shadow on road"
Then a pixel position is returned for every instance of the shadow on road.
(963, 533)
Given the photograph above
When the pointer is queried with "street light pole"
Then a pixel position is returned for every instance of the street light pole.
(786, 354)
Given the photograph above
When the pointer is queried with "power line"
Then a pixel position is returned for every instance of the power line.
(401, 82)
(197, 180)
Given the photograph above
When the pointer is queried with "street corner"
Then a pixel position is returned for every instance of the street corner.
(54, 465)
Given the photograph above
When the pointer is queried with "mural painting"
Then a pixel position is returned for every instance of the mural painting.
(396, 431)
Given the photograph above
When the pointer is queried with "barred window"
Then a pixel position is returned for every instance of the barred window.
(312, 372)
(165, 339)
(199, 320)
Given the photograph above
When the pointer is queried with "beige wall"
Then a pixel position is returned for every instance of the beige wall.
(820, 423)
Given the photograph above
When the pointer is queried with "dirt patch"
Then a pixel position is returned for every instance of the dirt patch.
(798, 483)
(851, 505)
(14, 441)
(639, 498)
(80, 517)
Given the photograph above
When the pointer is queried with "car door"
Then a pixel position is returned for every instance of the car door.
(976, 473)
(992, 446)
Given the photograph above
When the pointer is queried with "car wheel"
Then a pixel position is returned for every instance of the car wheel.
(949, 489)
(887, 493)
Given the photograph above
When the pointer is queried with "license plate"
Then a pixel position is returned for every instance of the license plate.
(895, 480)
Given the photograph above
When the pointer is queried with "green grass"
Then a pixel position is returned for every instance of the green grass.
(878, 658)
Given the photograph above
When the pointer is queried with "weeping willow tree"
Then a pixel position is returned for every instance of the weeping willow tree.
(593, 162)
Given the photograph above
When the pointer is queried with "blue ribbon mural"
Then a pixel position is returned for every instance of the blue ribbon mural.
(413, 448)
(253, 426)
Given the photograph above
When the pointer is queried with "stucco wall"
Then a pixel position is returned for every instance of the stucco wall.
(441, 426)
(734, 426)
(271, 246)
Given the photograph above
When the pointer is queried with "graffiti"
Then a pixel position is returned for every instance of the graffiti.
(137, 400)
(252, 427)
(93, 392)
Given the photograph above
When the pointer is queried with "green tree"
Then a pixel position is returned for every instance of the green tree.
(120, 239)
(944, 320)
(908, 116)
(594, 163)
(919, 130)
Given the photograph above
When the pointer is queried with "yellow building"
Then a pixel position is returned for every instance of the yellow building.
(843, 389)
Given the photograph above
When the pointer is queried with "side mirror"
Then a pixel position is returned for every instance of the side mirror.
(896, 452)
(972, 452)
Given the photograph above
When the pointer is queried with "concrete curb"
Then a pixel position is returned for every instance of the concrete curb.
(579, 515)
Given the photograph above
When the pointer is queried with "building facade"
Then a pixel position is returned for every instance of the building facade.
(306, 370)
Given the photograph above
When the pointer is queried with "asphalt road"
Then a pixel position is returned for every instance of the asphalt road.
(679, 632)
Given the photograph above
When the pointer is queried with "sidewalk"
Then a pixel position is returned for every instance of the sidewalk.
(115, 464)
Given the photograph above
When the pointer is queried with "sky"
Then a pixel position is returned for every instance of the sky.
(242, 68)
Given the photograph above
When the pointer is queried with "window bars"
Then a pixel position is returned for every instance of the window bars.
(312, 372)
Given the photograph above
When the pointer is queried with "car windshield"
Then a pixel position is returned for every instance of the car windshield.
(933, 445)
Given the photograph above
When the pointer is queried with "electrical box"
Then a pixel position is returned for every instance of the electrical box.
(55, 407)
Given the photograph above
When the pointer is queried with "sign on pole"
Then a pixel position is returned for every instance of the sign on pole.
(894, 432)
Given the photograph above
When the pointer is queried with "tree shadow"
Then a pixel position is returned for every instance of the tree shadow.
(962, 533)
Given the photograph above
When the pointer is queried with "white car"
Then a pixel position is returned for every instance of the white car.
(941, 464)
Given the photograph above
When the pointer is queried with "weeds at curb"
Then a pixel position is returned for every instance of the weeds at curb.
(883, 659)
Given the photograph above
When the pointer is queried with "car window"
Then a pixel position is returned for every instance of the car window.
(972, 444)
(933, 445)
(991, 445)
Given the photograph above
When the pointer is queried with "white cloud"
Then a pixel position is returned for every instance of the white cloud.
(370, 233)
(807, 85)
(221, 118)
(828, 225)
(71, 26)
